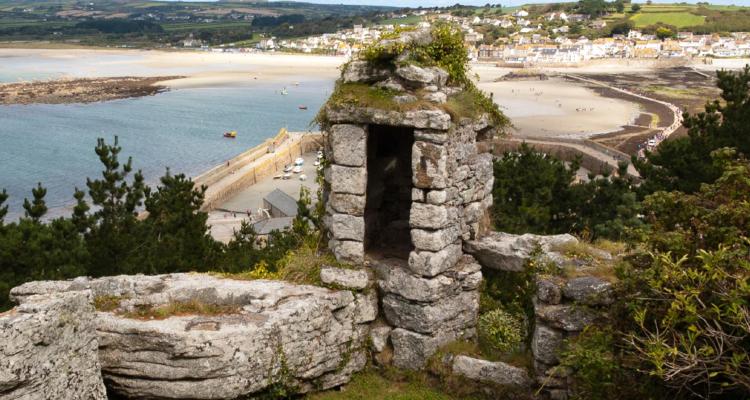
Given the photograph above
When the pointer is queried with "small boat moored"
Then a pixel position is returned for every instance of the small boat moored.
(303, 107)
(230, 134)
(299, 161)
(297, 169)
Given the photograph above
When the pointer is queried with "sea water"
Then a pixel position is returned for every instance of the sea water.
(179, 129)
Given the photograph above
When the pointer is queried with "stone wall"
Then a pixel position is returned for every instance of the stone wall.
(48, 349)
(430, 294)
(563, 308)
(569, 295)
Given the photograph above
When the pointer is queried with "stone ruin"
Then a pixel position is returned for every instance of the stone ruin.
(407, 195)
(268, 333)
(405, 190)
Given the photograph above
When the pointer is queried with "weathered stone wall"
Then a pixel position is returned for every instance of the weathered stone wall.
(303, 337)
(563, 305)
(563, 308)
(431, 296)
(48, 349)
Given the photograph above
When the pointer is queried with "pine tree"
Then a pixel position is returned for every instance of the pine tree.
(176, 233)
(37, 207)
(113, 239)
(3, 208)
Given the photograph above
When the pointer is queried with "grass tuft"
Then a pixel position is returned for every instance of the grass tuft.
(180, 308)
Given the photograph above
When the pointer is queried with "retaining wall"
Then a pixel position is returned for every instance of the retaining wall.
(266, 159)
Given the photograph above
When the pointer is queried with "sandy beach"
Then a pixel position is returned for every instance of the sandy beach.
(559, 108)
(554, 107)
(201, 69)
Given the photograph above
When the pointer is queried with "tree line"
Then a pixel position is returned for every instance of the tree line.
(680, 324)
(119, 225)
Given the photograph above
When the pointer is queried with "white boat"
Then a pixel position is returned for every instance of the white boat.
(303, 177)
(287, 168)
(316, 163)
(297, 169)
(299, 161)
(284, 92)
(287, 176)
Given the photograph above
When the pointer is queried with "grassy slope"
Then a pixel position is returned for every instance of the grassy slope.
(679, 19)
(410, 20)
(679, 15)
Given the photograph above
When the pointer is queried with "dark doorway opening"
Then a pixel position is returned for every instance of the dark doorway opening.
(389, 187)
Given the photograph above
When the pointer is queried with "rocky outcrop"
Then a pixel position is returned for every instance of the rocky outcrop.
(269, 333)
(507, 252)
(48, 349)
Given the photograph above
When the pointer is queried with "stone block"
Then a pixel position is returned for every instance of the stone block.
(588, 290)
(417, 195)
(436, 97)
(457, 312)
(429, 166)
(428, 263)
(571, 318)
(379, 336)
(348, 145)
(498, 373)
(429, 216)
(439, 197)
(366, 307)
(419, 76)
(548, 289)
(434, 240)
(396, 280)
(433, 136)
(546, 343)
(351, 180)
(506, 252)
(348, 227)
(347, 203)
(348, 251)
(355, 279)
(411, 350)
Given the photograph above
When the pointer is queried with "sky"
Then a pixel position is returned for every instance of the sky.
(442, 3)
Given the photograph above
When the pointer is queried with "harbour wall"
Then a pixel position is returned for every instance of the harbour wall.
(266, 159)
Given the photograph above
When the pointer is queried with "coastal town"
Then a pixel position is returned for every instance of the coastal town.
(550, 39)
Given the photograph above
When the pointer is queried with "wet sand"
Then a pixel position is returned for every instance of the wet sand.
(559, 108)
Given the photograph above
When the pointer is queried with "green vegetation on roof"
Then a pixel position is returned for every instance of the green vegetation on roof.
(446, 50)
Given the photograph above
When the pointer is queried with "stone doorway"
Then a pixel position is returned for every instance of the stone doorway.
(389, 188)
